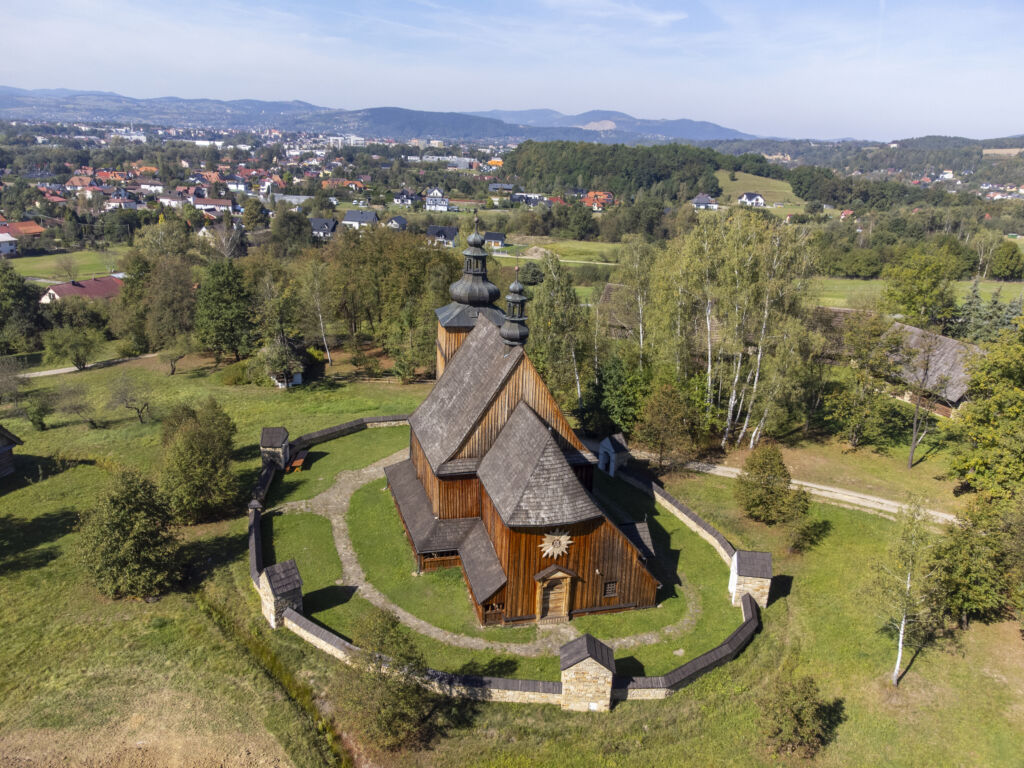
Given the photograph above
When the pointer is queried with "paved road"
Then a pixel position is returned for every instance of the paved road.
(72, 369)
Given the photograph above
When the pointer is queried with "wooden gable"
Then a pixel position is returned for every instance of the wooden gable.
(523, 385)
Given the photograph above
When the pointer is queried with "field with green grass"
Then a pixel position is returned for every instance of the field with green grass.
(772, 190)
(198, 678)
(851, 292)
(195, 676)
(959, 704)
(88, 263)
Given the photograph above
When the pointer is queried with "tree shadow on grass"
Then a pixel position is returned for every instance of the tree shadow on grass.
(248, 452)
(833, 714)
(29, 469)
(200, 558)
(22, 540)
(460, 712)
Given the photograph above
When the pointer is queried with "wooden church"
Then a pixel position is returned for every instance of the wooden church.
(497, 482)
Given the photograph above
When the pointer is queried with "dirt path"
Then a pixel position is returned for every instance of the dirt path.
(333, 504)
(842, 497)
(89, 367)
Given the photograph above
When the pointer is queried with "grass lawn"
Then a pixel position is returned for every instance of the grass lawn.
(91, 677)
(772, 190)
(877, 472)
(851, 292)
(326, 460)
(89, 263)
(439, 597)
(307, 538)
(199, 674)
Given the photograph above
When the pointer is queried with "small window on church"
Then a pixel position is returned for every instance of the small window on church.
(611, 588)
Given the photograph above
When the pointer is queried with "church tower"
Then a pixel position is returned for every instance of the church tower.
(473, 297)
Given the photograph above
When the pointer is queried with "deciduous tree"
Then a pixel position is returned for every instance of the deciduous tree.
(127, 542)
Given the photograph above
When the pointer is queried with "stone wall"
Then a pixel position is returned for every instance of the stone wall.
(586, 685)
(755, 587)
(689, 518)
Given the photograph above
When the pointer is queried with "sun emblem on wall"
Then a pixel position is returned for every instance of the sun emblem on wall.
(555, 543)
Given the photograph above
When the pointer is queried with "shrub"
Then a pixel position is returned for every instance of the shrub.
(794, 718)
(127, 544)
(390, 706)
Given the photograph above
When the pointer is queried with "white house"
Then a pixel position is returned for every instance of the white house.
(8, 244)
(434, 200)
(704, 202)
(751, 199)
(359, 219)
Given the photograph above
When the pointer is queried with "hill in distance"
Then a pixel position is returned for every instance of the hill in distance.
(66, 105)
(606, 120)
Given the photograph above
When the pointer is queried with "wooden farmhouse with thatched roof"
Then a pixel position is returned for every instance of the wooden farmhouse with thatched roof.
(497, 482)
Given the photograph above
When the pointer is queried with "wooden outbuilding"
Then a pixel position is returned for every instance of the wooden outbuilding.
(7, 442)
(497, 481)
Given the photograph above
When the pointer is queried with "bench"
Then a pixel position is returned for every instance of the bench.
(296, 464)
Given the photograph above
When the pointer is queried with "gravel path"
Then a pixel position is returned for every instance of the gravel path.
(333, 504)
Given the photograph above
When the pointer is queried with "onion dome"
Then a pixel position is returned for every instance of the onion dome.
(473, 288)
(513, 330)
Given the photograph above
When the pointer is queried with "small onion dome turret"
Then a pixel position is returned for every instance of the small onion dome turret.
(473, 288)
(513, 330)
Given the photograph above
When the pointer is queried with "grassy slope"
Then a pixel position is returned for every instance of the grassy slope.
(89, 263)
(85, 675)
(86, 672)
(882, 473)
(772, 190)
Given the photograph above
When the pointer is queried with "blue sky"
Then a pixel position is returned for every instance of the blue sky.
(879, 70)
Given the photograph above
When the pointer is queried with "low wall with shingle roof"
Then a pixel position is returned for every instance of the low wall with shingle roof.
(501, 689)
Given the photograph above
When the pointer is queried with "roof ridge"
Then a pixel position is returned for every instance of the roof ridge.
(536, 455)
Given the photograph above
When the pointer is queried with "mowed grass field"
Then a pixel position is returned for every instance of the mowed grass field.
(88, 263)
(772, 190)
(854, 293)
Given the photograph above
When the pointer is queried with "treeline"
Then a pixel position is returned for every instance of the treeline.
(667, 172)
(280, 305)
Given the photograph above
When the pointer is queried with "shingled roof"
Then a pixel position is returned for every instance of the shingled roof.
(283, 577)
(528, 479)
(429, 535)
(273, 437)
(940, 361)
(586, 647)
(8, 438)
(469, 383)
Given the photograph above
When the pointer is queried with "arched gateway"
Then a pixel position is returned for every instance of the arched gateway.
(497, 481)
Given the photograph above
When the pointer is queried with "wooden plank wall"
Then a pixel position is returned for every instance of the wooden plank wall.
(596, 546)
(449, 497)
(448, 343)
(524, 384)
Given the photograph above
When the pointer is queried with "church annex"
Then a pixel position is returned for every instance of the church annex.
(497, 481)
